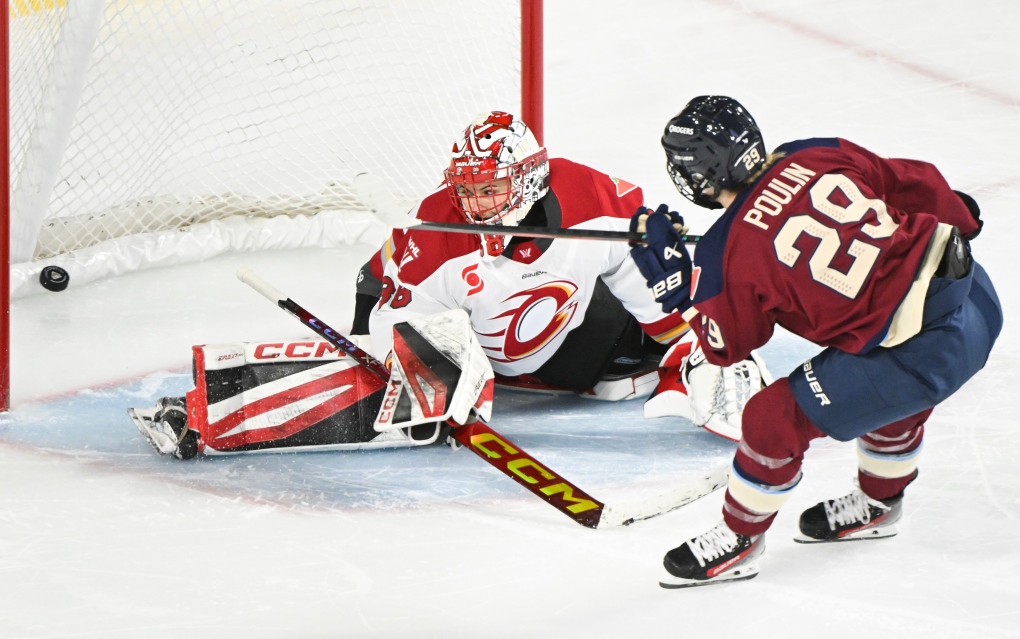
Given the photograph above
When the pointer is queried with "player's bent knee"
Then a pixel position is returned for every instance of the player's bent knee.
(773, 423)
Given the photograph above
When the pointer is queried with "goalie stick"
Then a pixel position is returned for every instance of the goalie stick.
(378, 198)
(504, 455)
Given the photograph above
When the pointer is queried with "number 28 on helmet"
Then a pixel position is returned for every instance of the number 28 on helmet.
(712, 144)
(497, 172)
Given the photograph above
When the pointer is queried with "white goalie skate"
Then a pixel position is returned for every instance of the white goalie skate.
(165, 427)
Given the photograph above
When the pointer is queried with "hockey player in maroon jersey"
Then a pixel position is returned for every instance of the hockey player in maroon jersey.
(550, 313)
(866, 256)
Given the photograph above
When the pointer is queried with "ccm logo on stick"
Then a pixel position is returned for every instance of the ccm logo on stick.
(530, 471)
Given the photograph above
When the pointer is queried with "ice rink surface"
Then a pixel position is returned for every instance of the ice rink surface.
(99, 537)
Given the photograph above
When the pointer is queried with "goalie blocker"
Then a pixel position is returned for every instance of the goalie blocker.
(309, 395)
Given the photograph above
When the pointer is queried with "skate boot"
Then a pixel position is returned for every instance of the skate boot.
(166, 427)
(715, 556)
(854, 516)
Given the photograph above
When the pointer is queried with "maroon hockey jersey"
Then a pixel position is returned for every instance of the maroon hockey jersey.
(833, 243)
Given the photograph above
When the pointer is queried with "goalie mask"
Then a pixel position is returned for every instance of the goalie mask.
(713, 144)
(497, 171)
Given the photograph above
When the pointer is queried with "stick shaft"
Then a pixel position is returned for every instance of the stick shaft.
(514, 462)
(322, 329)
(540, 231)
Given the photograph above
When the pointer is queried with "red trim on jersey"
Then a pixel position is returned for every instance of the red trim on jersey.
(377, 262)
(526, 252)
(586, 194)
(666, 330)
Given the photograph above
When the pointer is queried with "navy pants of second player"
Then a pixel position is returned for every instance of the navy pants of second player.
(882, 398)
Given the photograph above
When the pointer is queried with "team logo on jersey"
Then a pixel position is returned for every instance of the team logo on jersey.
(540, 315)
(410, 252)
(472, 279)
(623, 187)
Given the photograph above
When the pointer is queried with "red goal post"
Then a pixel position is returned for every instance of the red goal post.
(151, 132)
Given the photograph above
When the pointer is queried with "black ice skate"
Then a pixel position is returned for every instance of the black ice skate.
(854, 516)
(165, 426)
(715, 556)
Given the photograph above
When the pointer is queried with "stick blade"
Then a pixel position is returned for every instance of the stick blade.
(689, 492)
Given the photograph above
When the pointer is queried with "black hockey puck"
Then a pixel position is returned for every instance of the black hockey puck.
(54, 278)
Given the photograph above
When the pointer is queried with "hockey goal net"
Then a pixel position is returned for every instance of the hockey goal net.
(149, 132)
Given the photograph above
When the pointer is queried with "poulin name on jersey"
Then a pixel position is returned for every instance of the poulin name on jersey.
(777, 193)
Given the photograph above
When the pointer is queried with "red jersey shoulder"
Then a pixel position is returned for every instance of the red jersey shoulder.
(438, 207)
(585, 194)
(418, 253)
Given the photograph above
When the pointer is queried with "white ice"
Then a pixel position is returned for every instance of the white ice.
(101, 537)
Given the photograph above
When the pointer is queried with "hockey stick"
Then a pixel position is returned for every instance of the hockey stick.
(500, 452)
(380, 200)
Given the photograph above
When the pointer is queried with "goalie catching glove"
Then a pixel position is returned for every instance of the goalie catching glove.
(709, 396)
(438, 372)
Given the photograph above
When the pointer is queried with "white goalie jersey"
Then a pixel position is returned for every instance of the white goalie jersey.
(523, 303)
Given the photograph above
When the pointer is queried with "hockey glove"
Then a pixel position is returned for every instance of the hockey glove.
(664, 261)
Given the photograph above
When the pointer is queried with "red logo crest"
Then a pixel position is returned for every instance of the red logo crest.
(472, 279)
(540, 316)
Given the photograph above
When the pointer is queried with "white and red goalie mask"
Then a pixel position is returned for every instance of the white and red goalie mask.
(497, 171)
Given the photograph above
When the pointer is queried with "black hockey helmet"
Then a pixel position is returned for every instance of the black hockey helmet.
(712, 143)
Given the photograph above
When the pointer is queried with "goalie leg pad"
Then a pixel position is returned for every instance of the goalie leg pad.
(274, 397)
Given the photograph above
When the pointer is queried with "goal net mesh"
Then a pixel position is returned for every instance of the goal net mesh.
(137, 117)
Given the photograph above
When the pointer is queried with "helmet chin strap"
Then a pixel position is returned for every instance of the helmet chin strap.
(492, 246)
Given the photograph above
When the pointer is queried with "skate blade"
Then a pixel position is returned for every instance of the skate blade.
(867, 533)
(740, 573)
(142, 418)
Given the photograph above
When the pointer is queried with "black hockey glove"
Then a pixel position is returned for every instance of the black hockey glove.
(664, 261)
(975, 211)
